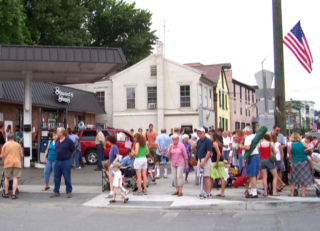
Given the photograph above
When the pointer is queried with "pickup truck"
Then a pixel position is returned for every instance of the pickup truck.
(88, 147)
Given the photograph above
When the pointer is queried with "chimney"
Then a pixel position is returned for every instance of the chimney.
(159, 48)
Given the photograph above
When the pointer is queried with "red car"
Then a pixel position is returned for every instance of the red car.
(88, 147)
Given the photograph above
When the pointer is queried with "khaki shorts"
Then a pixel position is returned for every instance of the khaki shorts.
(206, 167)
(12, 172)
(117, 191)
(153, 153)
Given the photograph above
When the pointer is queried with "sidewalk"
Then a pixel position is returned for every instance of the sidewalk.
(87, 181)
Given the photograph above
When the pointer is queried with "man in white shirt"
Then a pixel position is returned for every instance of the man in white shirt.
(119, 136)
(252, 165)
(226, 146)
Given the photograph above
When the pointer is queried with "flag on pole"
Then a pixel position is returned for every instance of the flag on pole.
(314, 127)
(296, 41)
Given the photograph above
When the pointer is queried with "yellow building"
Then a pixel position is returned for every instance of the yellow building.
(216, 73)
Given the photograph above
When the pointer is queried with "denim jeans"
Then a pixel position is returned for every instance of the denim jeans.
(80, 159)
(75, 157)
(226, 155)
(62, 168)
(48, 169)
(100, 157)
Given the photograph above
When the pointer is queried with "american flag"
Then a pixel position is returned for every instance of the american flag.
(296, 41)
(314, 127)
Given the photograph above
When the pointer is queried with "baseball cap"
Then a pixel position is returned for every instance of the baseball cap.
(98, 127)
(117, 164)
(201, 130)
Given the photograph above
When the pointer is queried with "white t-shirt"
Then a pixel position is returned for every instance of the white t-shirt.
(278, 153)
(119, 136)
(117, 176)
(226, 141)
(248, 141)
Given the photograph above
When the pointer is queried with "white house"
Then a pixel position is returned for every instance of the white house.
(162, 92)
(155, 90)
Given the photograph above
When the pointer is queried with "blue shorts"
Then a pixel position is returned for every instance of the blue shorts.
(226, 155)
(267, 164)
(252, 165)
(111, 173)
(283, 169)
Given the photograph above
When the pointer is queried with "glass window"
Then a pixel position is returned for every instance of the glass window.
(219, 98)
(227, 127)
(219, 122)
(237, 125)
(206, 97)
(184, 96)
(222, 97)
(226, 102)
(234, 106)
(100, 95)
(200, 93)
(243, 125)
(249, 109)
(240, 93)
(252, 98)
(152, 94)
(234, 90)
(240, 107)
(131, 98)
(210, 98)
(245, 94)
(222, 123)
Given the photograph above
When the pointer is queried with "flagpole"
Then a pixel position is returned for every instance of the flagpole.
(280, 110)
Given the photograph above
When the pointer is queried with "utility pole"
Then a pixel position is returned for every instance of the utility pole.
(279, 67)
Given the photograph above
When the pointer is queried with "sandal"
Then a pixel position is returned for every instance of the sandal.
(125, 200)
(275, 195)
(13, 197)
(219, 195)
(112, 201)
(5, 195)
(45, 189)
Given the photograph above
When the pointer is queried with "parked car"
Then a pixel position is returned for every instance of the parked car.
(88, 147)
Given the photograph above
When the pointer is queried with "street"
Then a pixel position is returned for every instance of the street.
(43, 213)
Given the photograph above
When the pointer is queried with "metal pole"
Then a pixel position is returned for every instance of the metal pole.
(278, 66)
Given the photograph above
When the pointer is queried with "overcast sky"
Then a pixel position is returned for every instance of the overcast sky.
(239, 32)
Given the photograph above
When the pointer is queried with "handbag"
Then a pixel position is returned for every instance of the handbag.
(193, 160)
(273, 157)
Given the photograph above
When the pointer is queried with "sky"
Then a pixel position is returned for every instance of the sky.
(239, 32)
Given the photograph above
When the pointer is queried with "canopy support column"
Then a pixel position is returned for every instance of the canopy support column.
(27, 119)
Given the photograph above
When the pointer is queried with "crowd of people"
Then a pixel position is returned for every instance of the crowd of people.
(214, 151)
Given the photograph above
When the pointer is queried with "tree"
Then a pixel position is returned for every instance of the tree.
(57, 22)
(116, 23)
(13, 29)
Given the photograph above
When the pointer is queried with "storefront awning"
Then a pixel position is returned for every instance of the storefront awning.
(60, 64)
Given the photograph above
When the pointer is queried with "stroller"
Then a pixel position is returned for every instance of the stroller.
(10, 184)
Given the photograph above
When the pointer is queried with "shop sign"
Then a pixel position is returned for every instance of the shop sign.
(62, 97)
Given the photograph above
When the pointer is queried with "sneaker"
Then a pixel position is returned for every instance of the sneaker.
(109, 195)
(144, 192)
(157, 176)
(205, 196)
(55, 194)
(69, 195)
(165, 176)
(209, 196)
(200, 196)
(78, 168)
(138, 193)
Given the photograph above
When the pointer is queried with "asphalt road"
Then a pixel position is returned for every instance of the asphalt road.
(40, 212)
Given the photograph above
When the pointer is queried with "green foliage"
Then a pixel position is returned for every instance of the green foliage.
(13, 29)
(119, 24)
(57, 22)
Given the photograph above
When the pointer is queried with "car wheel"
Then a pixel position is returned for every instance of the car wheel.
(91, 157)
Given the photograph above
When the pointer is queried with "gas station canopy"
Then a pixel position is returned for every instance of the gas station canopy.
(61, 64)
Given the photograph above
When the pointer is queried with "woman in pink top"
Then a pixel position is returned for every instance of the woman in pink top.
(178, 157)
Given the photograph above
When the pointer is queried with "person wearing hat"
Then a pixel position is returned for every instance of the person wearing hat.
(100, 144)
(117, 183)
(204, 150)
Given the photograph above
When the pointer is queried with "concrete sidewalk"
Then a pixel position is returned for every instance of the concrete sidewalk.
(87, 181)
